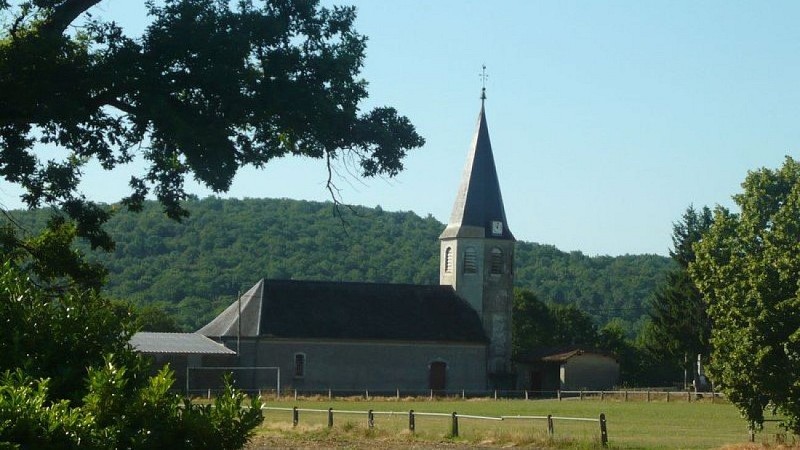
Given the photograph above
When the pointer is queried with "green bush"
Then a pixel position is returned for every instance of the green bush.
(29, 420)
(113, 404)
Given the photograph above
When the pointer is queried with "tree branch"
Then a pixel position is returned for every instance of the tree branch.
(65, 14)
(120, 105)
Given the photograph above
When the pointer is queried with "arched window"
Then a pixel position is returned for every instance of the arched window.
(470, 260)
(448, 260)
(299, 365)
(496, 262)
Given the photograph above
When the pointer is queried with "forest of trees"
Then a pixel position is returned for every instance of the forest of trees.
(194, 268)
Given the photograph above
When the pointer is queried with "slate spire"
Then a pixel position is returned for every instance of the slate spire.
(479, 204)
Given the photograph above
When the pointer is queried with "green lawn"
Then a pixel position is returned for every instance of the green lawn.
(634, 424)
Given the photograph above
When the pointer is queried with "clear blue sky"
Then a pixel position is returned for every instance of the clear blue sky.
(607, 119)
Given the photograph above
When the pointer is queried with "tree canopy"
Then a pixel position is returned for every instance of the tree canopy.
(209, 87)
(680, 328)
(749, 273)
(193, 269)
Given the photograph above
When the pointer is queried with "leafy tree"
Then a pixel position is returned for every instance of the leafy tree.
(680, 324)
(112, 415)
(531, 322)
(50, 254)
(749, 273)
(210, 86)
(71, 381)
(572, 326)
(154, 317)
(56, 334)
(537, 324)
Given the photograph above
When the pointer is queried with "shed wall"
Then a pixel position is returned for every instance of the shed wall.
(589, 371)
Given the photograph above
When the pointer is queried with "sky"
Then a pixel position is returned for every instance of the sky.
(607, 119)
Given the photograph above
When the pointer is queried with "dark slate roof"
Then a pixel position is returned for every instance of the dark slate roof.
(560, 354)
(345, 310)
(479, 201)
(147, 342)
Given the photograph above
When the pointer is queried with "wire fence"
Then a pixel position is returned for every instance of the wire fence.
(455, 419)
(644, 394)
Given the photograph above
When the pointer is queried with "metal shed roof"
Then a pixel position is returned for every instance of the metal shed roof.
(148, 342)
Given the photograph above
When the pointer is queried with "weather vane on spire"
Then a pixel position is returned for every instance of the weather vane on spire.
(483, 76)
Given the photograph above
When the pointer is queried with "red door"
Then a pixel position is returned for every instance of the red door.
(536, 381)
(437, 376)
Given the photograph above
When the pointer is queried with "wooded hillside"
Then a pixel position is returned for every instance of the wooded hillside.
(195, 268)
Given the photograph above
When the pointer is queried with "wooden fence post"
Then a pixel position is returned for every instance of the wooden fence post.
(370, 419)
(411, 425)
(581, 397)
(558, 393)
(454, 425)
(648, 395)
(667, 396)
(603, 430)
(295, 416)
(688, 396)
(602, 395)
(550, 430)
(330, 417)
(626, 395)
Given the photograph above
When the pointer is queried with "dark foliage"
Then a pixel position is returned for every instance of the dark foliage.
(209, 87)
(195, 268)
(680, 327)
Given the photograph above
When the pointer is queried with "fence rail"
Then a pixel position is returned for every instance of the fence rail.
(454, 416)
(644, 394)
(585, 394)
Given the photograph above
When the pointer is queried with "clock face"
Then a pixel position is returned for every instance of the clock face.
(497, 227)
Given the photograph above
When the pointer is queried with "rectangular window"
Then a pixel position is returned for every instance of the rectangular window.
(299, 365)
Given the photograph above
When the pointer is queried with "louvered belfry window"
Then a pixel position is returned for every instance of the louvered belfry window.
(470, 260)
(448, 259)
(496, 266)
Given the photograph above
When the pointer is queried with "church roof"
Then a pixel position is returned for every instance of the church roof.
(479, 201)
(346, 310)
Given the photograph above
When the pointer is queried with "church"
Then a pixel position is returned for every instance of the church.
(386, 337)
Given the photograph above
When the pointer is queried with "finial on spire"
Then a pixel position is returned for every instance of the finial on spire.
(483, 76)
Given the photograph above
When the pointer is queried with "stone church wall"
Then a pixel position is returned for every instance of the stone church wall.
(365, 365)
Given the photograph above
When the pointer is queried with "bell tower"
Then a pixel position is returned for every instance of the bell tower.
(477, 251)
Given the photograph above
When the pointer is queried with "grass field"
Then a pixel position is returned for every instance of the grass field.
(634, 424)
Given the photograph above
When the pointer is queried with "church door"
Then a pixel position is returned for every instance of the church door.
(536, 381)
(437, 376)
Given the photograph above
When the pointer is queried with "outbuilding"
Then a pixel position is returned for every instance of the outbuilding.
(567, 368)
(182, 351)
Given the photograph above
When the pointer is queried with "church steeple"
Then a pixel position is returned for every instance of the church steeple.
(478, 210)
(477, 252)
